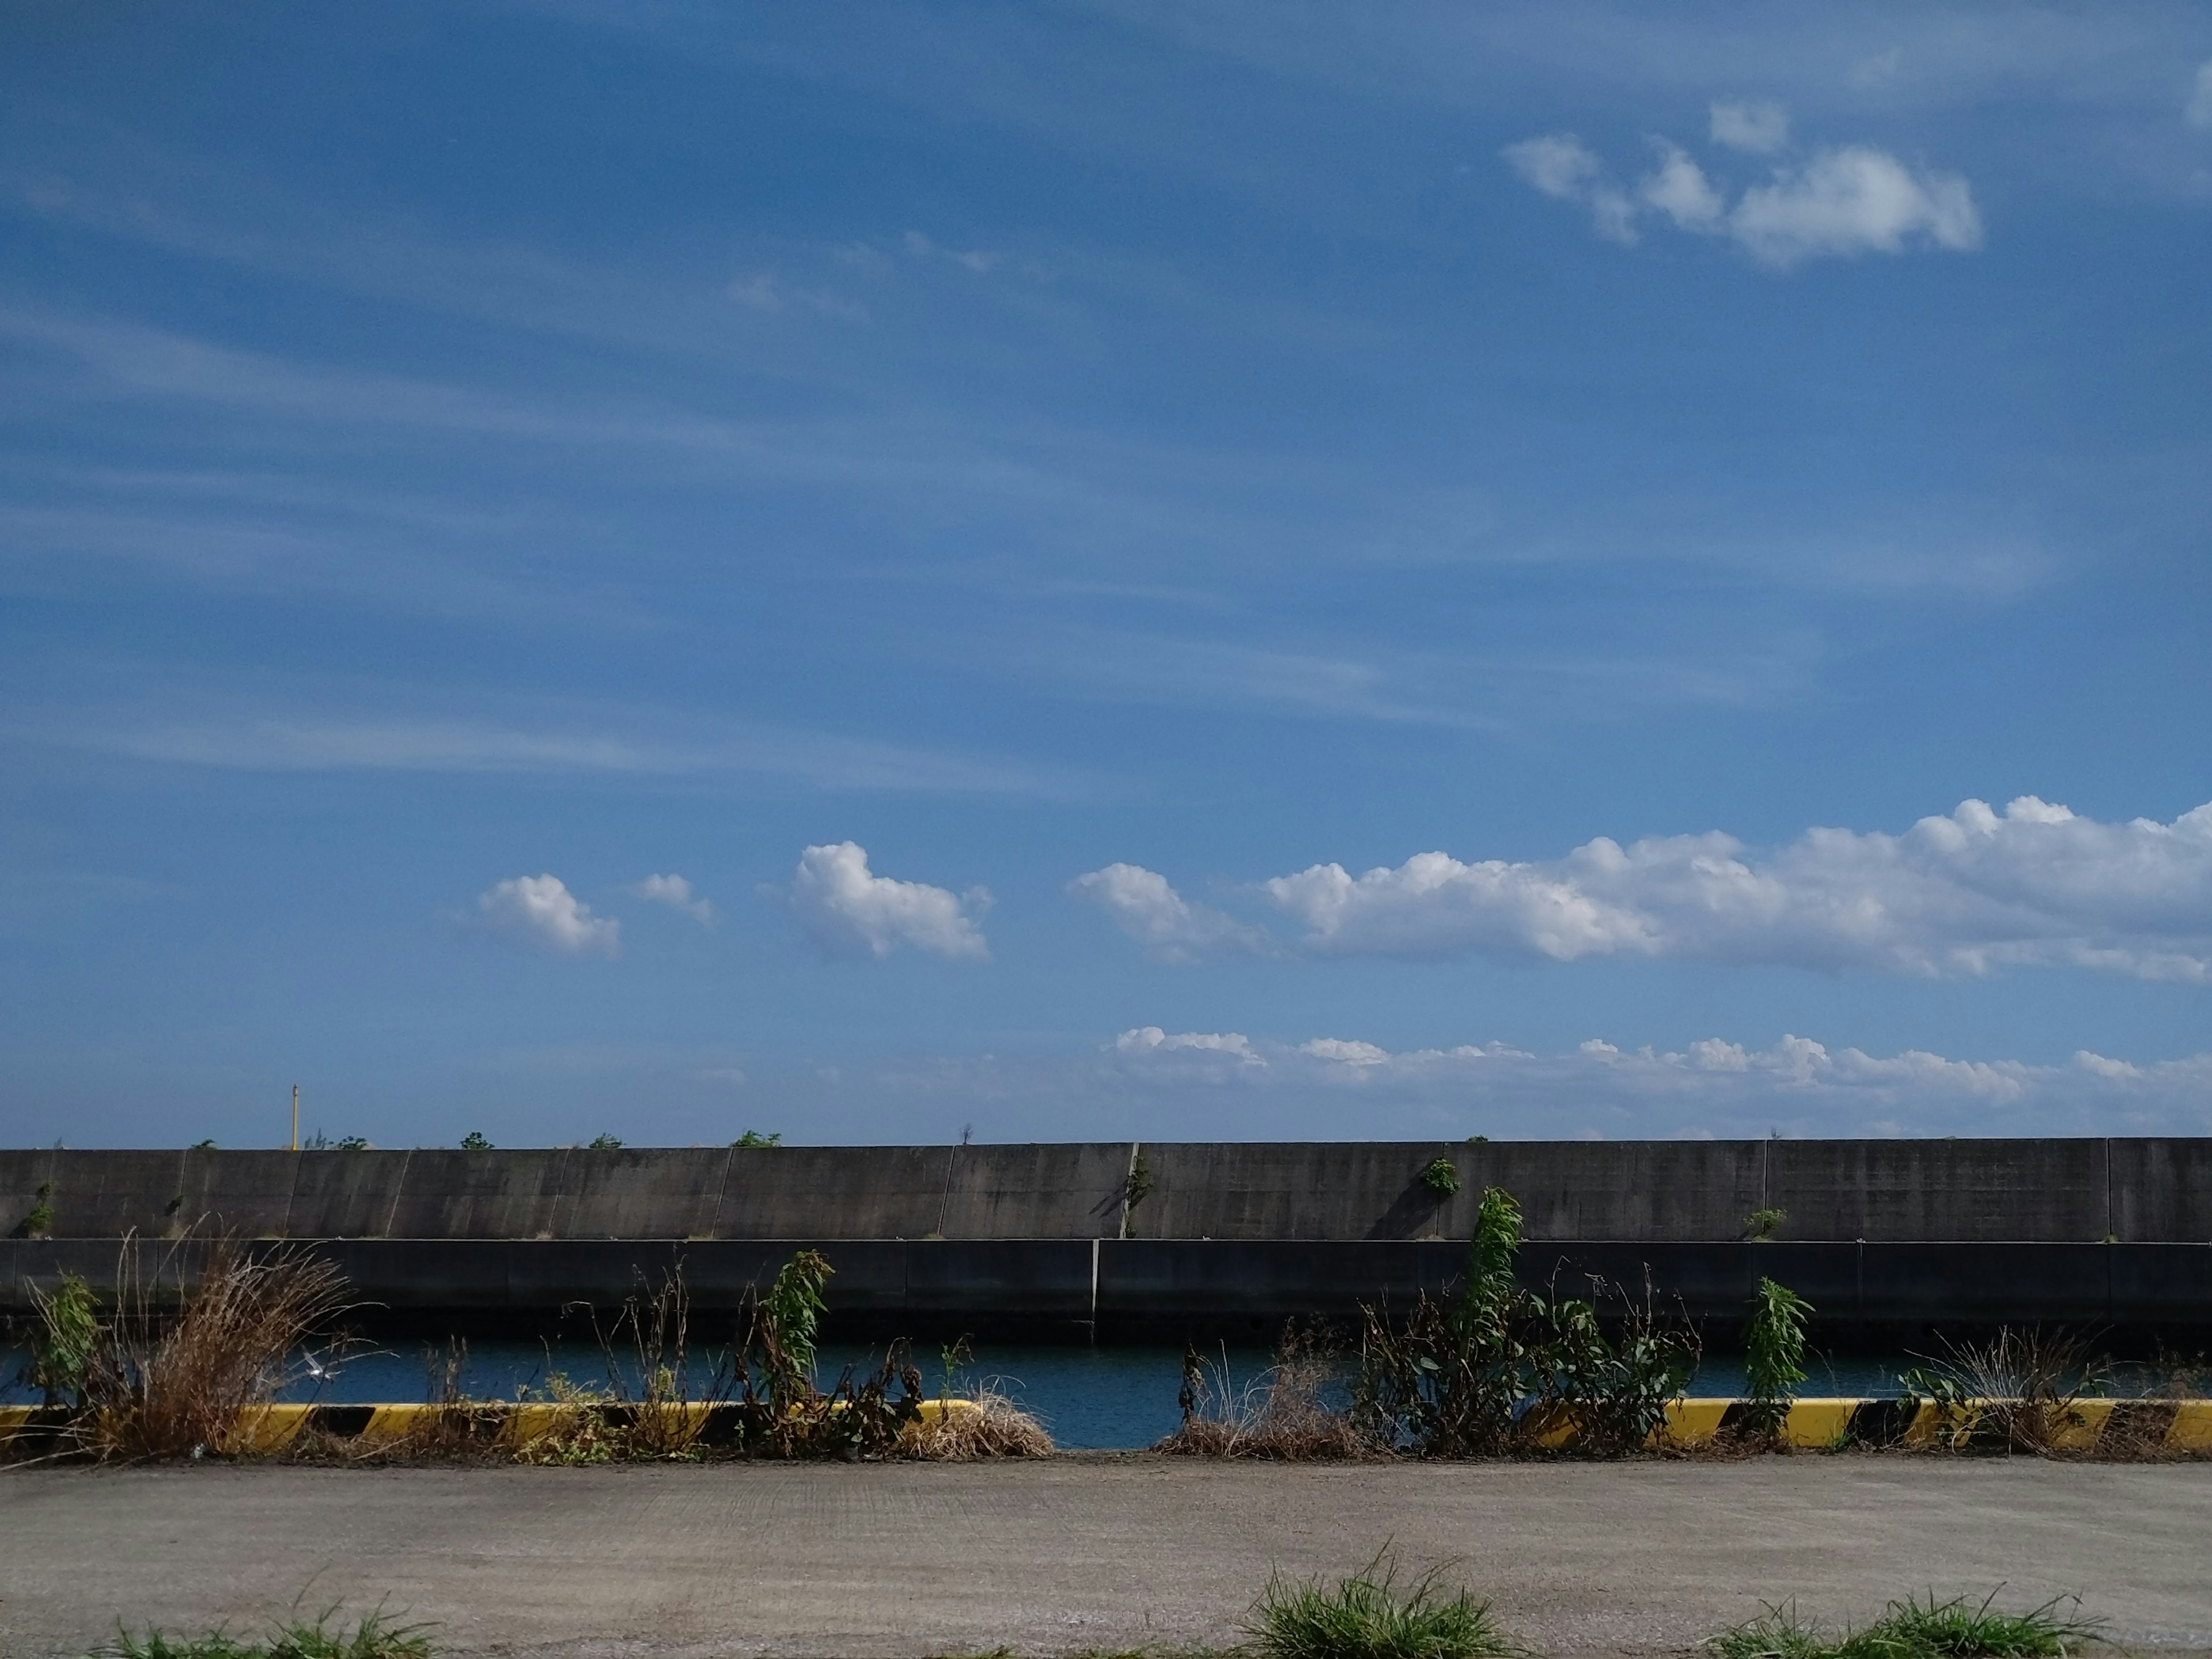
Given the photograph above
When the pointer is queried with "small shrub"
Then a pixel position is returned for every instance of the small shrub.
(65, 1343)
(1774, 1357)
(604, 1142)
(1367, 1616)
(1440, 1177)
(1760, 1226)
(1499, 1369)
(474, 1142)
(163, 1385)
(991, 1425)
(782, 1411)
(2021, 1392)
(1139, 1186)
(39, 1220)
(1284, 1414)
(753, 1138)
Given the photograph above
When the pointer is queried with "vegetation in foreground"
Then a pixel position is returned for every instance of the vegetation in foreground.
(174, 1365)
(1370, 1615)
(1912, 1629)
(374, 1636)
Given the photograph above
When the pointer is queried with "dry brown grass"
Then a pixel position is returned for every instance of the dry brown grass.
(990, 1425)
(178, 1361)
(1282, 1414)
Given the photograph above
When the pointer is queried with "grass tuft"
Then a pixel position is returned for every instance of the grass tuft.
(374, 1637)
(1912, 1629)
(1368, 1616)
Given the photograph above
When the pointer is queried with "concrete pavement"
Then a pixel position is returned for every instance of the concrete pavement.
(1078, 1552)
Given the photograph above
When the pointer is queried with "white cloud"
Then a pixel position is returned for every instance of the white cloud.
(1843, 201)
(2199, 111)
(1340, 1052)
(1759, 126)
(1560, 164)
(851, 912)
(677, 894)
(1171, 929)
(1797, 1084)
(1681, 189)
(979, 260)
(540, 910)
(1150, 1039)
(1962, 895)
(1851, 201)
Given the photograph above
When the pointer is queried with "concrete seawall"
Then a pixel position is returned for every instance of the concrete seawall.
(1120, 1238)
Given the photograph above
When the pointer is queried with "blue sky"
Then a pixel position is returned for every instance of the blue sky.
(1102, 571)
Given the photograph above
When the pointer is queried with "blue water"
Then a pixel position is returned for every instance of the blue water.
(1088, 1397)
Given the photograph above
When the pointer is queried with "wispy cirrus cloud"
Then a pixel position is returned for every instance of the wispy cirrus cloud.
(365, 726)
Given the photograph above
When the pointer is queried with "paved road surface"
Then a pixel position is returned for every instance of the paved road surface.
(1076, 1552)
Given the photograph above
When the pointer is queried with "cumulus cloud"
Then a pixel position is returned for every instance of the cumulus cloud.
(850, 911)
(1170, 928)
(540, 910)
(676, 894)
(1759, 126)
(2199, 111)
(1681, 189)
(1965, 894)
(1851, 201)
(1838, 202)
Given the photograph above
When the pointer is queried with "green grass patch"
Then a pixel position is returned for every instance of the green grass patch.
(1369, 1616)
(374, 1637)
(1913, 1629)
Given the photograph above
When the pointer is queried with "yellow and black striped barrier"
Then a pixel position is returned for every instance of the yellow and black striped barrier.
(2132, 1427)
(2136, 1426)
(506, 1425)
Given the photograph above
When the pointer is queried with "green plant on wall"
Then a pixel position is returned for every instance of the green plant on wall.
(604, 1142)
(474, 1142)
(1441, 1176)
(1773, 1357)
(1760, 1226)
(753, 1138)
(40, 1219)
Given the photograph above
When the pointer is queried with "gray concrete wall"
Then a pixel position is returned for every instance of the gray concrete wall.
(1154, 1289)
(2051, 1191)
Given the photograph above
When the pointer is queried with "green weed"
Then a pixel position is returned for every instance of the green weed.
(1774, 1356)
(374, 1637)
(1368, 1616)
(1913, 1629)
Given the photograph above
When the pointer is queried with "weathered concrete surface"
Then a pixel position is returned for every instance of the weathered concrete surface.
(1983, 1191)
(1079, 1553)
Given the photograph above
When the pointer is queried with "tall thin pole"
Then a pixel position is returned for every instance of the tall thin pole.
(295, 1117)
